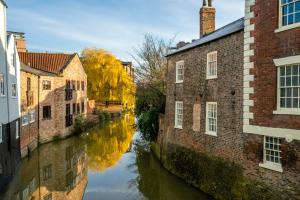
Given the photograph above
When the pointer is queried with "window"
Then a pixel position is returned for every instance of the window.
(47, 112)
(1, 137)
(78, 85)
(179, 71)
(82, 85)
(28, 84)
(290, 12)
(78, 108)
(46, 85)
(17, 130)
(82, 107)
(47, 172)
(14, 90)
(289, 87)
(211, 118)
(32, 116)
(73, 85)
(212, 65)
(25, 119)
(178, 114)
(2, 90)
(272, 151)
(74, 108)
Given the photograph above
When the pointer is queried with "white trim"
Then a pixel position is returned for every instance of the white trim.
(176, 121)
(1, 134)
(287, 60)
(294, 134)
(179, 63)
(17, 130)
(288, 27)
(29, 114)
(271, 166)
(208, 132)
(286, 111)
(208, 77)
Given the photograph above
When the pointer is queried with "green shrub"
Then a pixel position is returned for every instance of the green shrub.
(148, 124)
(80, 124)
(215, 176)
(107, 116)
(101, 117)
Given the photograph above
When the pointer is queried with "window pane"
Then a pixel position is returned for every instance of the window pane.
(291, 8)
(282, 81)
(295, 103)
(288, 81)
(297, 6)
(290, 19)
(284, 20)
(284, 10)
(297, 17)
(289, 102)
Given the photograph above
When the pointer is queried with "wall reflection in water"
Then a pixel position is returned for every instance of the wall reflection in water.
(57, 170)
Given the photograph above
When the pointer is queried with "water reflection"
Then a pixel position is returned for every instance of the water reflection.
(110, 163)
(57, 170)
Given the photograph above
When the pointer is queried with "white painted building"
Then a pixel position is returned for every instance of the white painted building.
(9, 99)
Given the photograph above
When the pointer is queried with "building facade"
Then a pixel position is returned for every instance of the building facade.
(62, 92)
(9, 102)
(205, 89)
(272, 91)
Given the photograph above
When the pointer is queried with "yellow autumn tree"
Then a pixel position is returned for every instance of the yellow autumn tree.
(107, 79)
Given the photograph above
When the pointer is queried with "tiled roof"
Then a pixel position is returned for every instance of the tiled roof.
(48, 62)
(233, 27)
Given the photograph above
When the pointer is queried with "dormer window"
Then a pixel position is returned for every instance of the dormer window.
(179, 71)
(290, 12)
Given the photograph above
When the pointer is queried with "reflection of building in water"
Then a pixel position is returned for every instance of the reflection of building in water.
(56, 171)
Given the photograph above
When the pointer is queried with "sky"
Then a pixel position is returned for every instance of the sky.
(114, 25)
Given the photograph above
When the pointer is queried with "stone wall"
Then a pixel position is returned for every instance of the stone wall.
(29, 132)
(56, 126)
(195, 91)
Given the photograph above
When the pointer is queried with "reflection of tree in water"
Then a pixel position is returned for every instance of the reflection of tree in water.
(107, 144)
(156, 183)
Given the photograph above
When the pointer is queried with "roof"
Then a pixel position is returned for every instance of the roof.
(47, 62)
(37, 72)
(233, 27)
(3, 2)
(20, 34)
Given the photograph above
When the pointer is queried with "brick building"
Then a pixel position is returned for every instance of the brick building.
(272, 91)
(204, 90)
(62, 93)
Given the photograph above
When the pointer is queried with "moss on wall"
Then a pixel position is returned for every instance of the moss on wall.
(220, 178)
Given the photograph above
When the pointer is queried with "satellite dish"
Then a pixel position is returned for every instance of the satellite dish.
(289, 138)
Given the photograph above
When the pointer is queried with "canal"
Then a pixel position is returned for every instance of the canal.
(110, 162)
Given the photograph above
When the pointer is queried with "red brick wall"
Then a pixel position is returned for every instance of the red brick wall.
(268, 46)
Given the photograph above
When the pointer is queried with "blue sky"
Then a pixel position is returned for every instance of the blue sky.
(114, 25)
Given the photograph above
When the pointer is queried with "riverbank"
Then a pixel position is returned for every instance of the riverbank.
(213, 175)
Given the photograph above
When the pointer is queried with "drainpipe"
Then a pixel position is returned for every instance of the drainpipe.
(38, 105)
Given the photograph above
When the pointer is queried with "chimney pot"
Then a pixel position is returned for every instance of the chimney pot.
(207, 18)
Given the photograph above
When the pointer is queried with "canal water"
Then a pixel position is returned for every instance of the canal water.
(111, 162)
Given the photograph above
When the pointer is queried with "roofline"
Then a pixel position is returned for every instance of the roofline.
(4, 3)
(69, 61)
(37, 72)
(16, 32)
(180, 51)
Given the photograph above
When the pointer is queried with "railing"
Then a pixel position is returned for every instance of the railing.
(69, 120)
(69, 94)
(29, 95)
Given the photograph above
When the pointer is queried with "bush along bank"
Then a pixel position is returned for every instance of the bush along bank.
(213, 175)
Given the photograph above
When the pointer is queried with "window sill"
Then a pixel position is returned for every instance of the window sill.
(211, 78)
(178, 127)
(2, 96)
(24, 125)
(286, 112)
(211, 134)
(271, 166)
(178, 82)
(288, 27)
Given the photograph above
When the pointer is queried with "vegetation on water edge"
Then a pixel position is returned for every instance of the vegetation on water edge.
(215, 176)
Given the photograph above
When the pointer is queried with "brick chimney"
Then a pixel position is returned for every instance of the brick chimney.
(207, 18)
(20, 41)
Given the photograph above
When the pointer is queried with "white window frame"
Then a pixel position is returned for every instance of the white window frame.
(31, 116)
(14, 95)
(268, 164)
(178, 126)
(209, 132)
(179, 64)
(1, 134)
(17, 130)
(283, 62)
(208, 76)
(280, 26)
(2, 85)
(25, 122)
